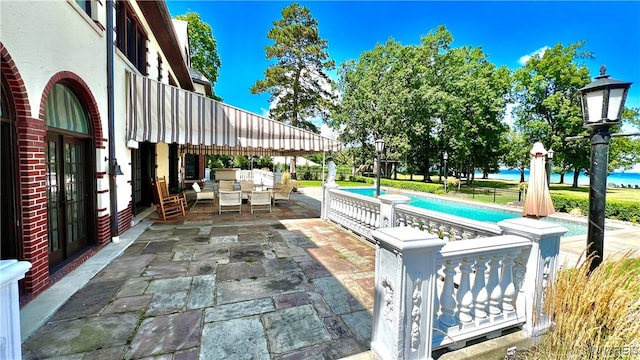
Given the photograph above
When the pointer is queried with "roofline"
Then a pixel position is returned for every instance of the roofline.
(159, 19)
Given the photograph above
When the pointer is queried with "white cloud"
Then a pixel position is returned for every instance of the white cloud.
(539, 53)
(328, 132)
(508, 116)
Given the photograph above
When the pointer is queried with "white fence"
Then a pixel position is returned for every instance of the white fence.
(460, 279)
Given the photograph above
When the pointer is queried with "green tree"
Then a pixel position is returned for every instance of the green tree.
(203, 47)
(515, 152)
(424, 100)
(372, 105)
(624, 152)
(548, 105)
(472, 125)
(297, 81)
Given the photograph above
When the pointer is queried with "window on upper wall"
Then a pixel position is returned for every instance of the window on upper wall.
(86, 6)
(159, 67)
(130, 37)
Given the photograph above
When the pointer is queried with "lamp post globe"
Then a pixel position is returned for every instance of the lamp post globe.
(602, 105)
(379, 150)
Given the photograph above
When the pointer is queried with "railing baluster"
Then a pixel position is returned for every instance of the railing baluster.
(493, 288)
(479, 291)
(464, 296)
(506, 282)
(447, 300)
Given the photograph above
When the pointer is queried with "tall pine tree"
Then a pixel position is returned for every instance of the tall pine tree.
(299, 87)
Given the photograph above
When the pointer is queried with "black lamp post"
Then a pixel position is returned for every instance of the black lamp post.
(549, 166)
(379, 150)
(445, 156)
(602, 105)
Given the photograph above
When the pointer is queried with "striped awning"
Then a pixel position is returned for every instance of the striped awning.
(158, 112)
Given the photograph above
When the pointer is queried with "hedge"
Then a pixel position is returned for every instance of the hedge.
(412, 185)
(614, 209)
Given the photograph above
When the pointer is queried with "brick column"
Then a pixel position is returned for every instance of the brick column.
(33, 201)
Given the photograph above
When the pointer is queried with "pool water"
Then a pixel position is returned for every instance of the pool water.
(468, 211)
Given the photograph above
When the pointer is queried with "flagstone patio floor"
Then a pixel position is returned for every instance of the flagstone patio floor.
(279, 285)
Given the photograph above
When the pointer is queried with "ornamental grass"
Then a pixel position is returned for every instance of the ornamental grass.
(595, 315)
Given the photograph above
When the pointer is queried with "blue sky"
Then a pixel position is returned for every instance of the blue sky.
(505, 30)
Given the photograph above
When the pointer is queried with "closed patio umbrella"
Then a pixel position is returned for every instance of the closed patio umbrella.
(538, 201)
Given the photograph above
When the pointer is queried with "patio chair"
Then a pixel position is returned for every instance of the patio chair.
(226, 185)
(229, 201)
(260, 200)
(164, 191)
(168, 208)
(209, 194)
(277, 186)
(283, 194)
(246, 187)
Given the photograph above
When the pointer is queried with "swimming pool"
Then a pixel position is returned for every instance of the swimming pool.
(470, 211)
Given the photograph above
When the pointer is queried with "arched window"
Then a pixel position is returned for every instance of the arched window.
(64, 111)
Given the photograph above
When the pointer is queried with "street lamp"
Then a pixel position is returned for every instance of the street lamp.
(602, 105)
(379, 150)
(445, 156)
(549, 166)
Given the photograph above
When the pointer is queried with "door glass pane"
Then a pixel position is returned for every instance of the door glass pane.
(74, 192)
(52, 196)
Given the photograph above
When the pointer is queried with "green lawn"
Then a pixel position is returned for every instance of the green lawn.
(318, 183)
(632, 195)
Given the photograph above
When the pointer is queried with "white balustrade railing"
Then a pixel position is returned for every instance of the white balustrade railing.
(478, 287)
(348, 209)
(449, 227)
(262, 177)
(459, 290)
(358, 213)
(10, 340)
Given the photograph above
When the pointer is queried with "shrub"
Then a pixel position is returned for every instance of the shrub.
(410, 185)
(595, 315)
(307, 175)
(362, 179)
(452, 184)
(286, 178)
(614, 209)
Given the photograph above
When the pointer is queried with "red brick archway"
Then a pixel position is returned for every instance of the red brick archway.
(32, 213)
(100, 230)
(75, 82)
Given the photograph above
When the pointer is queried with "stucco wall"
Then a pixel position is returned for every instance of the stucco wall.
(46, 37)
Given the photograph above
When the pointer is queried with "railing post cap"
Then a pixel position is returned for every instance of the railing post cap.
(12, 270)
(408, 238)
(532, 226)
(393, 198)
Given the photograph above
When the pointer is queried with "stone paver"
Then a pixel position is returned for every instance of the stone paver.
(236, 286)
(294, 328)
(337, 297)
(165, 334)
(234, 339)
(66, 338)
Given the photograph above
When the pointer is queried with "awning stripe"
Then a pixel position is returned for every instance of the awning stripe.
(160, 112)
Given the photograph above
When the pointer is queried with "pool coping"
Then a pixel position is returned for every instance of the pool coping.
(610, 224)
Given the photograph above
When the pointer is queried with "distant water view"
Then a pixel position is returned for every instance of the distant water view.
(618, 178)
